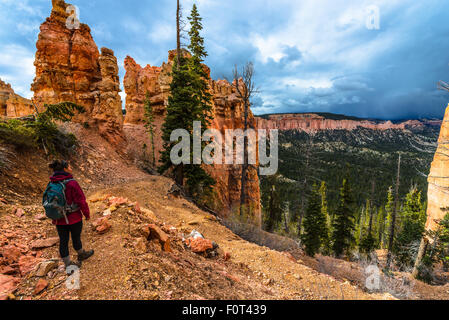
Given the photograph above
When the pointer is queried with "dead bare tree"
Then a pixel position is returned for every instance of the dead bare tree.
(246, 88)
(443, 86)
(393, 217)
(178, 33)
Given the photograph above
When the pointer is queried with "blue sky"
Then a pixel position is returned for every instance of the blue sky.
(309, 55)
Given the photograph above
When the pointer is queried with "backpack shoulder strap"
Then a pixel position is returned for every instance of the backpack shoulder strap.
(67, 181)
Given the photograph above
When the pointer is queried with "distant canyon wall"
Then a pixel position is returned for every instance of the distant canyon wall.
(228, 114)
(314, 122)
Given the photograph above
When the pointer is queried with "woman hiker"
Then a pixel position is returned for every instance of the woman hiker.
(72, 224)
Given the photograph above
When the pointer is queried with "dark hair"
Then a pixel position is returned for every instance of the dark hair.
(58, 165)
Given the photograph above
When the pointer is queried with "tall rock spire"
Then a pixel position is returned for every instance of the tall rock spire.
(69, 67)
(438, 194)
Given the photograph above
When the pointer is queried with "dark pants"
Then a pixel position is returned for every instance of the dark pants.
(64, 233)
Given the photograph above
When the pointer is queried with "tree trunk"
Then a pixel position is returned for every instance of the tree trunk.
(301, 216)
(271, 220)
(178, 33)
(179, 175)
(421, 254)
(286, 229)
(393, 218)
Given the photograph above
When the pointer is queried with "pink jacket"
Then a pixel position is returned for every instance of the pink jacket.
(74, 195)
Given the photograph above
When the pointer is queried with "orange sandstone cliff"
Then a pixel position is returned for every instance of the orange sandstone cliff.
(69, 67)
(11, 104)
(438, 192)
(228, 114)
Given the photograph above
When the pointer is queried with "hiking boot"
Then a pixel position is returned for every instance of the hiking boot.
(85, 255)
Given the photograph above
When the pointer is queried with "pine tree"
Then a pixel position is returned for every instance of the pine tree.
(179, 115)
(389, 206)
(201, 84)
(441, 252)
(413, 219)
(392, 231)
(189, 101)
(315, 229)
(367, 242)
(343, 226)
(325, 212)
(274, 210)
(380, 226)
(361, 223)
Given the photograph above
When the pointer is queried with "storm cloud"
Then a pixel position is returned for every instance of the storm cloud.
(309, 55)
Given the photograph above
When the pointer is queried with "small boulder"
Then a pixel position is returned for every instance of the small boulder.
(40, 286)
(7, 270)
(11, 254)
(44, 243)
(45, 267)
(19, 212)
(102, 225)
(27, 264)
(200, 245)
(154, 232)
(117, 201)
(7, 285)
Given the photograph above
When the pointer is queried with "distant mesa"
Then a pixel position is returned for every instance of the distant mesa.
(311, 122)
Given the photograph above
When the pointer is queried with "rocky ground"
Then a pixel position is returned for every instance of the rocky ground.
(132, 260)
(140, 234)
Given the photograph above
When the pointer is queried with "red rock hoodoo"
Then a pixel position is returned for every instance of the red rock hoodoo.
(69, 67)
(228, 114)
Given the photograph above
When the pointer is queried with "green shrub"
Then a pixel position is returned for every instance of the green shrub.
(42, 131)
(15, 132)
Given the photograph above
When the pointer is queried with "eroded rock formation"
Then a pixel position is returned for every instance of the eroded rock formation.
(310, 122)
(228, 114)
(69, 67)
(11, 104)
(438, 193)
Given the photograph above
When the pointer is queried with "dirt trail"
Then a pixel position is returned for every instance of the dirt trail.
(253, 272)
(123, 268)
